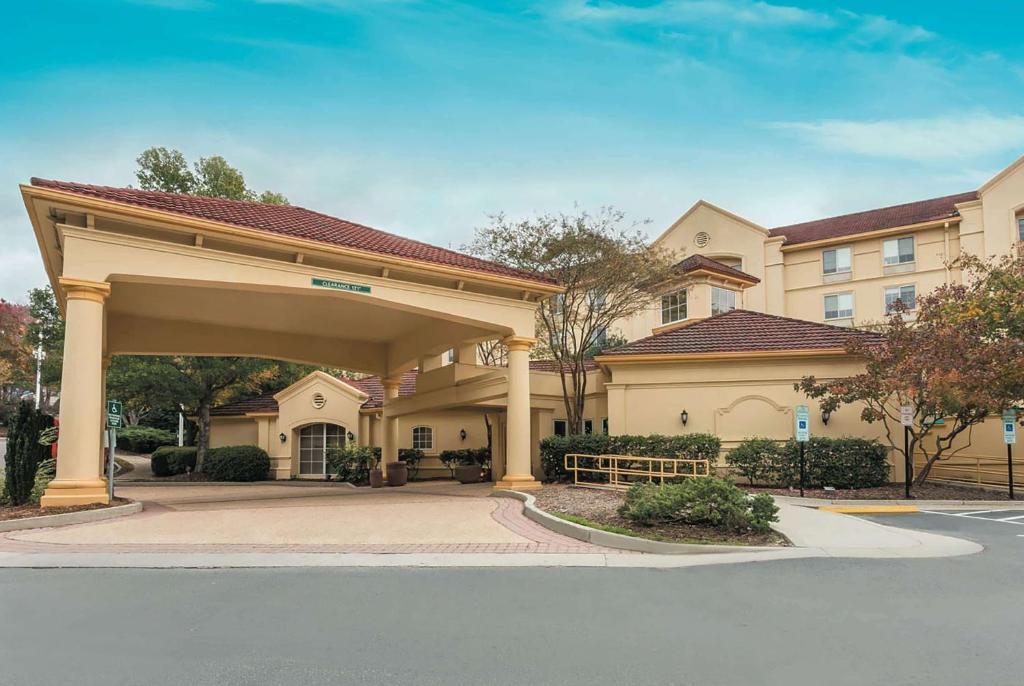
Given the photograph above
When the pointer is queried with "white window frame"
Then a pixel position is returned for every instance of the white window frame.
(719, 289)
(839, 311)
(680, 306)
(838, 270)
(309, 433)
(899, 262)
(910, 306)
(420, 445)
(565, 427)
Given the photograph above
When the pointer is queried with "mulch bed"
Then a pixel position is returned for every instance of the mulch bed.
(927, 491)
(600, 506)
(25, 511)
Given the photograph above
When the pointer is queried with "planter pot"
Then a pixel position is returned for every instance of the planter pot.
(376, 478)
(398, 474)
(468, 473)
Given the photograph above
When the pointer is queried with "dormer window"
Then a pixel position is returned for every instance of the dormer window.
(722, 300)
(673, 307)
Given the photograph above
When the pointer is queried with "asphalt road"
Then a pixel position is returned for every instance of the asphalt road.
(819, 621)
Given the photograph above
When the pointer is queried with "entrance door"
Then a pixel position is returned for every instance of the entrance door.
(314, 442)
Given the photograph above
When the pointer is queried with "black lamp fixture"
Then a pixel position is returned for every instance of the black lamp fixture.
(825, 415)
(282, 437)
(685, 416)
(351, 436)
(462, 434)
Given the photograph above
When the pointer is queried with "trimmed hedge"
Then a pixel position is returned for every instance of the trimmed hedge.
(553, 449)
(717, 503)
(144, 439)
(237, 463)
(171, 460)
(465, 456)
(836, 462)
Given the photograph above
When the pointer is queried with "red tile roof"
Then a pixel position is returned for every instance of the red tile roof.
(259, 403)
(874, 220)
(696, 262)
(742, 331)
(372, 386)
(292, 221)
(552, 365)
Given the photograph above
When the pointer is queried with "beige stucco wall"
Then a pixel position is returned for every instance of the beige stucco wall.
(226, 431)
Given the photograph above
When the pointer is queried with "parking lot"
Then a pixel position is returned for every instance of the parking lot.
(1001, 531)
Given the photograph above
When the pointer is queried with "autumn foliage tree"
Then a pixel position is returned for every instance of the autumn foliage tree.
(959, 362)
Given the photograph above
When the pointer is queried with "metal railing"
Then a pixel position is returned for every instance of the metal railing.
(985, 471)
(621, 471)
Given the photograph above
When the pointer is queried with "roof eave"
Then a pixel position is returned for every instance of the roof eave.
(650, 358)
(866, 235)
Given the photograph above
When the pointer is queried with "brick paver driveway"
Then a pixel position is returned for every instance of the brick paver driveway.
(298, 517)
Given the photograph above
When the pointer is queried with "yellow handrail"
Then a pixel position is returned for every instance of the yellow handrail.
(623, 470)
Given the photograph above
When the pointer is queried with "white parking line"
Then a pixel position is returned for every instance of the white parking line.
(1010, 519)
(970, 515)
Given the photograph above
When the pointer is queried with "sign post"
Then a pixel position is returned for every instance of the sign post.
(803, 434)
(907, 420)
(114, 419)
(1009, 438)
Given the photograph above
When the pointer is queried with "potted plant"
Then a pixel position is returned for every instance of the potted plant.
(466, 466)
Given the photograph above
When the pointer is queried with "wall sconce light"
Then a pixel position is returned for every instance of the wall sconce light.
(282, 437)
(351, 436)
(825, 415)
(685, 416)
(462, 434)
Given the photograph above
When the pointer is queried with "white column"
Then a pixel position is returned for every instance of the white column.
(389, 428)
(518, 474)
(79, 478)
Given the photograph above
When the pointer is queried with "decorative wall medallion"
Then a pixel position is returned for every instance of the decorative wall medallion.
(319, 400)
(702, 239)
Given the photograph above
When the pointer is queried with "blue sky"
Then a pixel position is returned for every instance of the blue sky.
(424, 117)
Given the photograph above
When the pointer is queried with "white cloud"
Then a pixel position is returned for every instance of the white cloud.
(968, 136)
(682, 12)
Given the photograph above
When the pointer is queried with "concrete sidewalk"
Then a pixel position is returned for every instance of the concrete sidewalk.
(919, 504)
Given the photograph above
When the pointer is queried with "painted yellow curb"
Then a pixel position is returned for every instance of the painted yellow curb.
(869, 509)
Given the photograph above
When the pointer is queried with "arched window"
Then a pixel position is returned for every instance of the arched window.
(423, 438)
(314, 442)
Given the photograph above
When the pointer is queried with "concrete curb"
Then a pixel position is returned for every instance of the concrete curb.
(820, 503)
(66, 518)
(128, 483)
(619, 541)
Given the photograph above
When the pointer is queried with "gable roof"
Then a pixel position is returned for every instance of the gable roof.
(260, 403)
(700, 262)
(739, 331)
(291, 221)
(874, 220)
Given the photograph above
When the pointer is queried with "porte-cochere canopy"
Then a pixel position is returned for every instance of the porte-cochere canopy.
(143, 272)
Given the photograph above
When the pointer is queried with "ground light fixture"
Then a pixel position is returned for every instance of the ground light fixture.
(685, 416)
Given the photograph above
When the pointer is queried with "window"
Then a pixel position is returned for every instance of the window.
(905, 294)
(314, 442)
(722, 300)
(449, 356)
(422, 438)
(599, 337)
(839, 306)
(836, 261)
(561, 427)
(898, 251)
(673, 307)
(604, 426)
(1020, 227)
(588, 426)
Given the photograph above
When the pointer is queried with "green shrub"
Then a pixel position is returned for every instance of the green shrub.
(144, 439)
(24, 452)
(836, 462)
(465, 456)
(171, 460)
(553, 449)
(45, 473)
(353, 463)
(712, 502)
(237, 463)
(411, 457)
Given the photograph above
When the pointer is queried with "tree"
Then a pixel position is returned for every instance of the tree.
(166, 170)
(605, 268)
(46, 326)
(24, 452)
(955, 366)
(16, 356)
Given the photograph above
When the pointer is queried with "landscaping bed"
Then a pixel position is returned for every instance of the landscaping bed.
(25, 511)
(927, 491)
(598, 508)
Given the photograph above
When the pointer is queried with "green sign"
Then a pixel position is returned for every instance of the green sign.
(803, 423)
(341, 285)
(114, 414)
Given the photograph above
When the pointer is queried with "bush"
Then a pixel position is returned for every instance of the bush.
(836, 462)
(712, 502)
(24, 453)
(45, 473)
(553, 449)
(237, 463)
(465, 456)
(411, 457)
(144, 439)
(168, 460)
(353, 463)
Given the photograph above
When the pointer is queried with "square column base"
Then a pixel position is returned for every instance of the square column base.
(74, 493)
(519, 483)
